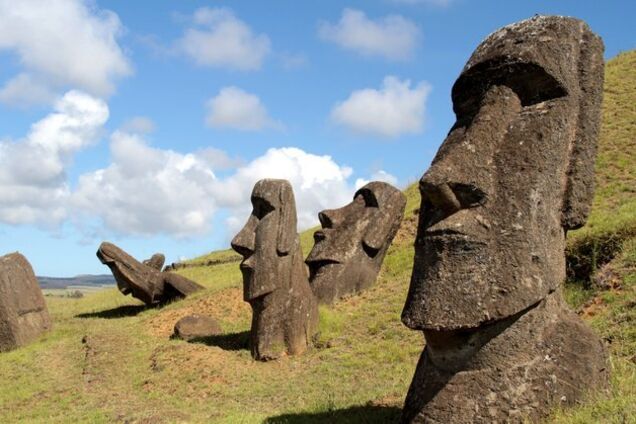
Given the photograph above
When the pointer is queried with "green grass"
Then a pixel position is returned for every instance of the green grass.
(109, 358)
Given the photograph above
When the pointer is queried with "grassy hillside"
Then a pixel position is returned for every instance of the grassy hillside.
(111, 359)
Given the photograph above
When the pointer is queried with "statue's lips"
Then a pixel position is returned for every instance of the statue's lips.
(315, 265)
(245, 267)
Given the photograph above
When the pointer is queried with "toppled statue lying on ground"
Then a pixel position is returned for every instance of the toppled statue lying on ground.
(145, 281)
(515, 173)
(23, 312)
(284, 310)
(349, 250)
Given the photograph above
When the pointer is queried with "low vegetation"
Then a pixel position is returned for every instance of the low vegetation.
(110, 358)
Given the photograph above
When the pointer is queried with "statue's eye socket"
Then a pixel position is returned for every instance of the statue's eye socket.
(367, 197)
(469, 195)
(261, 207)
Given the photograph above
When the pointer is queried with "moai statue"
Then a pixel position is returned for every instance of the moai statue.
(514, 174)
(23, 312)
(284, 310)
(354, 239)
(144, 281)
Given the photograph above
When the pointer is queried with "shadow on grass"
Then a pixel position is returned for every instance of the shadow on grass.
(367, 414)
(118, 312)
(231, 341)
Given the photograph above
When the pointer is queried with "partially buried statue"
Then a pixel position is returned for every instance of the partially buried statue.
(23, 312)
(513, 176)
(284, 310)
(144, 281)
(354, 239)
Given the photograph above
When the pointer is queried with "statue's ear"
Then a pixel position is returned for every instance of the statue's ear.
(382, 230)
(287, 220)
(579, 190)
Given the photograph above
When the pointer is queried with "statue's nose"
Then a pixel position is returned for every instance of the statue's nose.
(330, 218)
(243, 243)
(440, 196)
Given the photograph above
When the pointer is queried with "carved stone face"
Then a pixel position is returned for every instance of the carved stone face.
(509, 180)
(131, 276)
(144, 281)
(267, 238)
(351, 246)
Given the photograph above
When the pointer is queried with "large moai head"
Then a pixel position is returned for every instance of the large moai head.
(266, 240)
(285, 314)
(144, 280)
(23, 312)
(513, 175)
(354, 239)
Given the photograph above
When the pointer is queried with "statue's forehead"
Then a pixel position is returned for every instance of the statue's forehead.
(380, 192)
(551, 43)
(268, 190)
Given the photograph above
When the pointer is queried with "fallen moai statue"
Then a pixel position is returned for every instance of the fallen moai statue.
(144, 281)
(23, 312)
(349, 250)
(284, 310)
(515, 173)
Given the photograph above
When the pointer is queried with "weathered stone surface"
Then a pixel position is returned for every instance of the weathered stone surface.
(284, 310)
(23, 312)
(144, 282)
(195, 326)
(349, 250)
(156, 261)
(513, 175)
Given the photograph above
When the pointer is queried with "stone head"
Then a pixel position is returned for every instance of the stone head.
(513, 175)
(132, 277)
(267, 239)
(350, 247)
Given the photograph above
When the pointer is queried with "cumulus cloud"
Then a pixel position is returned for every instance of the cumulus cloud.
(33, 180)
(148, 191)
(393, 110)
(392, 37)
(318, 183)
(52, 41)
(238, 109)
(219, 39)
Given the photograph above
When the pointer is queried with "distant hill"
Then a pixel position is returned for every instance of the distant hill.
(79, 280)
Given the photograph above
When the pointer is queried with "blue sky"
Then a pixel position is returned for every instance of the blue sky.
(146, 123)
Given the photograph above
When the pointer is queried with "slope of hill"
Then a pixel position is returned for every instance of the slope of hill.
(111, 359)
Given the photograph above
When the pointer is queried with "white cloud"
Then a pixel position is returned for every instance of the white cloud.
(52, 41)
(380, 175)
(318, 183)
(219, 39)
(238, 109)
(33, 180)
(394, 110)
(148, 191)
(392, 37)
(24, 90)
